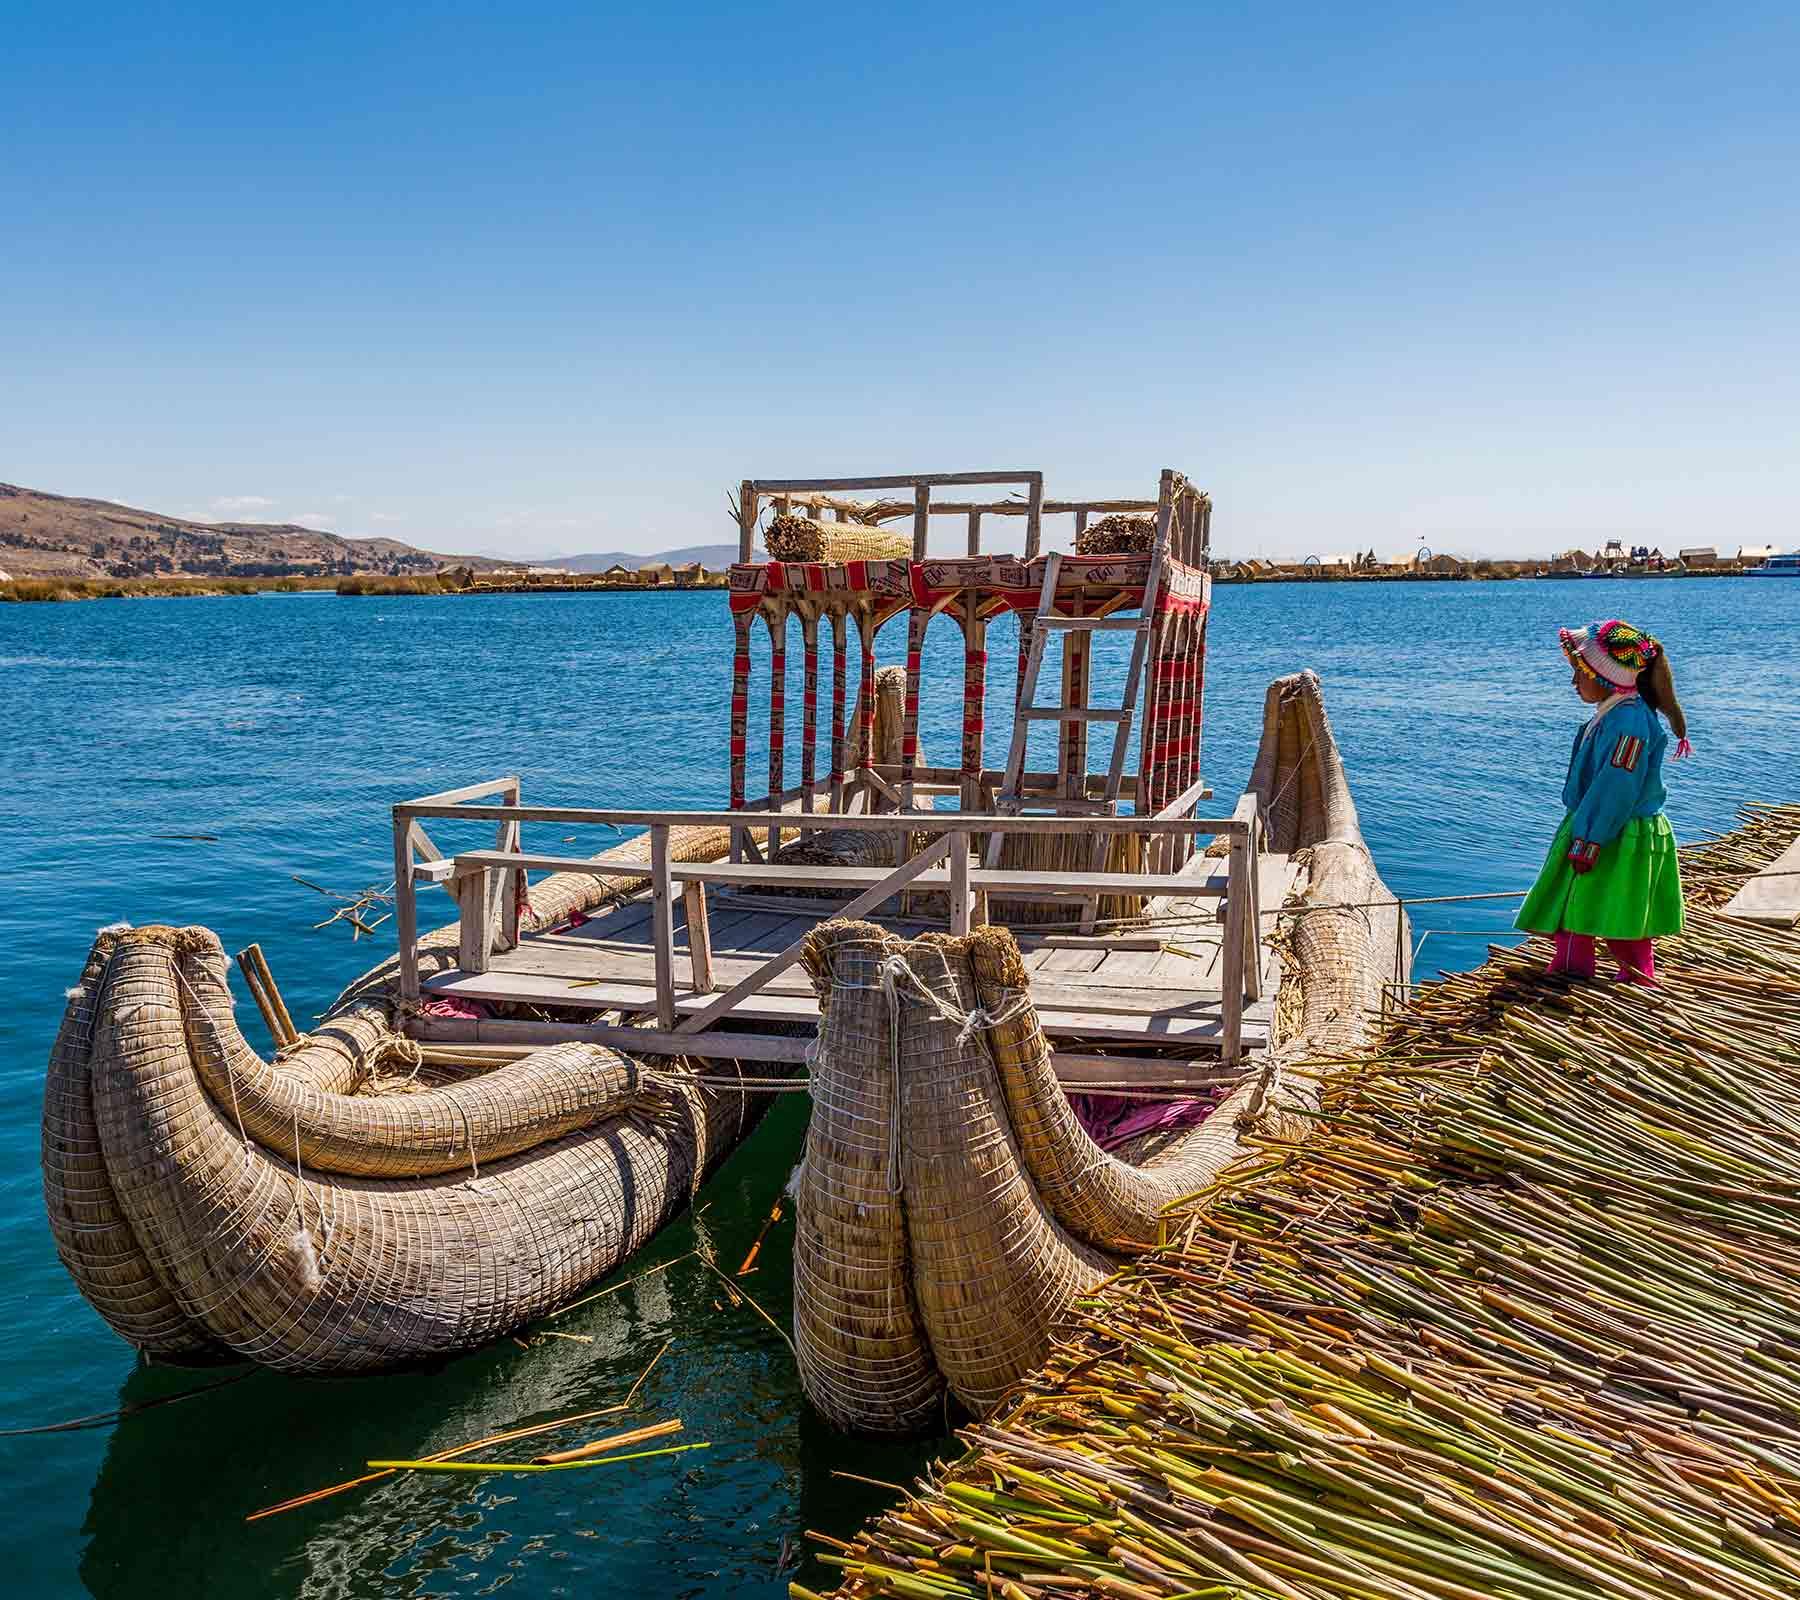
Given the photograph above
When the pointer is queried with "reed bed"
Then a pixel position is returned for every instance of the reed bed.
(795, 538)
(378, 584)
(60, 588)
(1120, 534)
(1514, 1320)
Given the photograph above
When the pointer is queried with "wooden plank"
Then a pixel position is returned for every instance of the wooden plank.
(469, 791)
(911, 480)
(662, 926)
(1073, 714)
(713, 1046)
(958, 848)
(699, 937)
(817, 822)
(1231, 973)
(406, 908)
(1051, 962)
(1772, 897)
(474, 944)
(884, 890)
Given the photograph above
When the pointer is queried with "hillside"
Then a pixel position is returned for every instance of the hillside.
(714, 557)
(52, 535)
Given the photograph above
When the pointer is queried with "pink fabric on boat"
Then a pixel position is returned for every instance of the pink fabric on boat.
(1111, 1119)
(454, 1006)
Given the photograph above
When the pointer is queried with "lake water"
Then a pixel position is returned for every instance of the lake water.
(284, 726)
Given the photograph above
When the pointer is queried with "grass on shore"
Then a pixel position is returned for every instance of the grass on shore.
(378, 583)
(23, 589)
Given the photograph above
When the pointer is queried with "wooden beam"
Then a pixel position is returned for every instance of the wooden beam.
(958, 845)
(699, 936)
(921, 522)
(474, 941)
(910, 480)
(825, 822)
(662, 925)
(890, 884)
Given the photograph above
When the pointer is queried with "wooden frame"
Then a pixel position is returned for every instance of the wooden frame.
(478, 879)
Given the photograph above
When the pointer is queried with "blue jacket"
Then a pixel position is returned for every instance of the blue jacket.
(1615, 774)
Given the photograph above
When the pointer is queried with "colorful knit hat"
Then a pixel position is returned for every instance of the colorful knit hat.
(1612, 651)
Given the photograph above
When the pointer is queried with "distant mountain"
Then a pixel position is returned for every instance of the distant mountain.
(711, 556)
(51, 535)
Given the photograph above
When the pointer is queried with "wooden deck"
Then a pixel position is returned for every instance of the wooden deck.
(1160, 986)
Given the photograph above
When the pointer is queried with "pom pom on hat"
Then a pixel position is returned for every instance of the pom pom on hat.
(1612, 651)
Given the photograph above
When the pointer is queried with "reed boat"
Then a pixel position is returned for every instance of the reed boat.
(347, 1206)
(952, 1206)
(500, 1114)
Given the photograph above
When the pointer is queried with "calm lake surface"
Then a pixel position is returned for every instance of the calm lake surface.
(284, 726)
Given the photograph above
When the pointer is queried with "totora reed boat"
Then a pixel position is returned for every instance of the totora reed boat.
(1033, 1004)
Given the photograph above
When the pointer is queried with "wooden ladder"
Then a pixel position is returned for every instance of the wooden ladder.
(1011, 800)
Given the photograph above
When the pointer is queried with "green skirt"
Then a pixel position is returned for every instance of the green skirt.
(1632, 892)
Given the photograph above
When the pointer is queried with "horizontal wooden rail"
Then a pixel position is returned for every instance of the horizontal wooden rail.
(996, 880)
(931, 822)
(908, 480)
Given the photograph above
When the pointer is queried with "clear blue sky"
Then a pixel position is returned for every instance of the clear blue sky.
(533, 279)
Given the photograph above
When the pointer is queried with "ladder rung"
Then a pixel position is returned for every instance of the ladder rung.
(1090, 624)
(1072, 714)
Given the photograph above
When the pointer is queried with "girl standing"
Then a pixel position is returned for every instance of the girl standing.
(1612, 873)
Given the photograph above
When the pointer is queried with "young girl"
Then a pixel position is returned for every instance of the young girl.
(1611, 873)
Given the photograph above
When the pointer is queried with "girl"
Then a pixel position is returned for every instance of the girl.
(1611, 873)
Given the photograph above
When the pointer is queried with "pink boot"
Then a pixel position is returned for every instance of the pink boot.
(1574, 955)
(1637, 961)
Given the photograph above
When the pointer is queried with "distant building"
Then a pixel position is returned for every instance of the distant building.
(619, 574)
(688, 574)
(1614, 551)
(656, 575)
(1701, 555)
(1754, 555)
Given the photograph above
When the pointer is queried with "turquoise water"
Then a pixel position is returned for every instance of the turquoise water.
(285, 725)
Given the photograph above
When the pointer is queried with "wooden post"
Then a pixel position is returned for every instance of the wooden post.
(921, 520)
(746, 520)
(959, 885)
(1034, 517)
(776, 615)
(474, 929)
(1253, 975)
(261, 984)
(916, 623)
(839, 670)
(406, 908)
(1231, 981)
(662, 924)
(510, 835)
(974, 533)
(699, 935)
(809, 705)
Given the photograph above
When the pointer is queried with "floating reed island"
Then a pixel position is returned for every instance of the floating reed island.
(1507, 1314)
(502, 1113)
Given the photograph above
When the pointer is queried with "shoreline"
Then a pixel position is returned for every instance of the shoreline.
(58, 590)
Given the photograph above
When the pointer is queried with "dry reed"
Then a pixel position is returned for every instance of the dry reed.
(1120, 534)
(1512, 1320)
(796, 538)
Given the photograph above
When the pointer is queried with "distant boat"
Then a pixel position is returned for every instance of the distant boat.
(1778, 567)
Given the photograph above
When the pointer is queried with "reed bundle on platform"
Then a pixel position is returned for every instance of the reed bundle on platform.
(1512, 1320)
(1120, 534)
(795, 538)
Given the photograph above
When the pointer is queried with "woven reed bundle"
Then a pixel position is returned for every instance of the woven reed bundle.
(991, 1269)
(1120, 534)
(864, 1360)
(99, 1242)
(316, 1274)
(550, 1093)
(1069, 852)
(796, 538)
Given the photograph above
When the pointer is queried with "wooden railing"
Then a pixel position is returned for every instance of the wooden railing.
(479, 880)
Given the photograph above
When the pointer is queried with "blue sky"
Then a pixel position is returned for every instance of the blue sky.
(533, 279)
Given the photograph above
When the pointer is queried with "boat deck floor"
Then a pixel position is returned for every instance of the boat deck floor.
(1157, 984)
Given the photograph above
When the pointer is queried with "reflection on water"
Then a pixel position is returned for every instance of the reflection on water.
(176, 1483)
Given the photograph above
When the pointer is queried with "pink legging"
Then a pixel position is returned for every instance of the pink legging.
(1575, 956)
